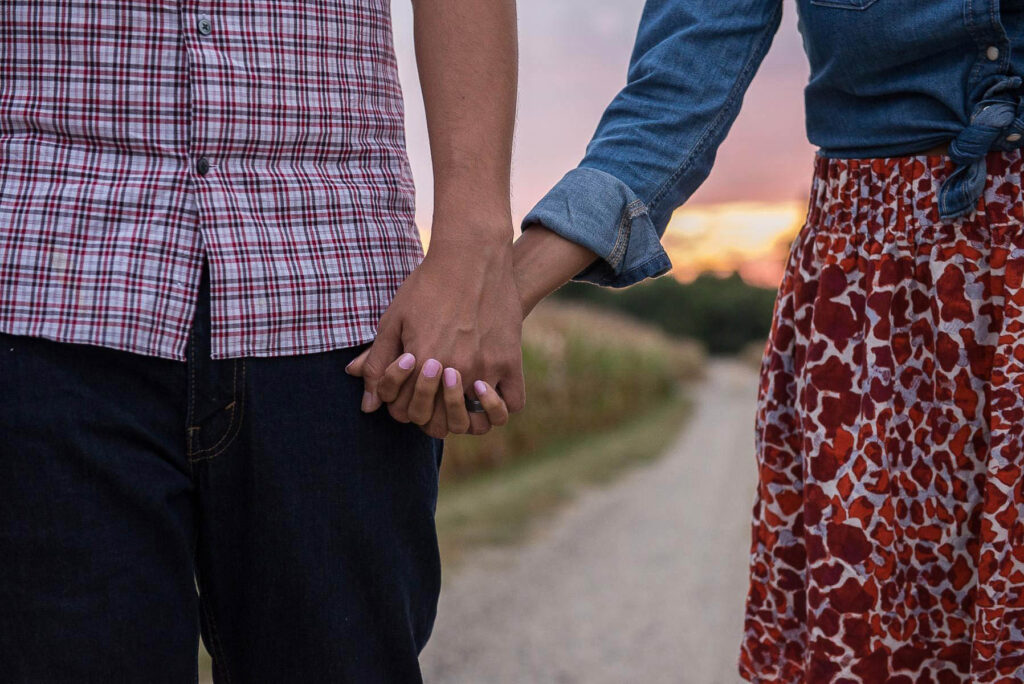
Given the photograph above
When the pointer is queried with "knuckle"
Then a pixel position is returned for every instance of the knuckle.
(398, 414)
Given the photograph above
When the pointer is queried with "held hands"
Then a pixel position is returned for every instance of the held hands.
(458, 315)
(438, 400)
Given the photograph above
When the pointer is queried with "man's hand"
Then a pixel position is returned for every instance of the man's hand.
(461, 309)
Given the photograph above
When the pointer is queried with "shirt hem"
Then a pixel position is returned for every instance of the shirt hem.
(140, 349)
(162, 352)
(302, 350)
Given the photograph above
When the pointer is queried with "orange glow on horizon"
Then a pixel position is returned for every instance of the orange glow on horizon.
(750, 237)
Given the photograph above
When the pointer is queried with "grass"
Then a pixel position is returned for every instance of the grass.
(500, 507)
(587, 371)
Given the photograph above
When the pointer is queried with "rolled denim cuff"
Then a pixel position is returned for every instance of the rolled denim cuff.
(598, 211)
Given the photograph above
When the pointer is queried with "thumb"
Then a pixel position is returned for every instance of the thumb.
(385, 349)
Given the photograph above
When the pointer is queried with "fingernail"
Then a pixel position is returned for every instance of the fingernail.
(450, 377)
(348, 366)
(369, 402)
(431, 368)
(407, 361)
(480, 387)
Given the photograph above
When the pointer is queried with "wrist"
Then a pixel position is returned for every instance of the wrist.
(473, 254)
(482, 206)
(529, 284)
(472, 231)
(543, 261)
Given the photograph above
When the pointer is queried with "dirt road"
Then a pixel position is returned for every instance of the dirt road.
(643, 581)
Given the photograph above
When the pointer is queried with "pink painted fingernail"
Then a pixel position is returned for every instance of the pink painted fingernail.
(450, 377)
(480, 387)
(407, 362)
(431, 368)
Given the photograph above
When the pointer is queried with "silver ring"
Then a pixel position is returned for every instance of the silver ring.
(474, 406)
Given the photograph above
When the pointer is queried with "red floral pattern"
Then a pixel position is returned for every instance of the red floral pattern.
(888, 535)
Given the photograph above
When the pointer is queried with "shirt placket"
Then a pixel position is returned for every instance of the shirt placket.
(198, 31)
(993, 45)
(993, 63)
(994, 107)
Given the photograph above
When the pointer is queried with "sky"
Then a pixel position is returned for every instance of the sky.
(573, 60)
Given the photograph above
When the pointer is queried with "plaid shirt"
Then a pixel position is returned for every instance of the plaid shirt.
(137, 138)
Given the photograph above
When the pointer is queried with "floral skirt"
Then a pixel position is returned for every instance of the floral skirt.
(888, 524)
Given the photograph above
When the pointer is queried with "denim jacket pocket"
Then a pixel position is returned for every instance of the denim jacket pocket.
(845, 4)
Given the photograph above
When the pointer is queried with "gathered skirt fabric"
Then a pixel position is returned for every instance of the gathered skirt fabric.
(888, 523)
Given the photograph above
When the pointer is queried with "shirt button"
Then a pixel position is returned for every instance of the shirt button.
(202, 166)
(992, 53)
(204, 26)
(1013, 137)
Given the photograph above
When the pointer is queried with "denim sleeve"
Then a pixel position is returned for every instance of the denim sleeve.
(656, 142)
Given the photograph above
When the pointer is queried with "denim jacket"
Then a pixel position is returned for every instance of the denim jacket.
(888, 78)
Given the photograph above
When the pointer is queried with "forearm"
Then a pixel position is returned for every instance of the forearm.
(544, 261)
(467, 57)
(656, 142)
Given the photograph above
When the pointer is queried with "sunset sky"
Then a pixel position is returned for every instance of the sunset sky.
(574, 55)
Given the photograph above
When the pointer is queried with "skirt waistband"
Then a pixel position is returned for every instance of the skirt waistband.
(900, 194)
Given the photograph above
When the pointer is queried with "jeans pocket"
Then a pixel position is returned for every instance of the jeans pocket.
(845, 4)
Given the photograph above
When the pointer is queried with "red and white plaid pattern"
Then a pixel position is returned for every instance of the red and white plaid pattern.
(305, 214)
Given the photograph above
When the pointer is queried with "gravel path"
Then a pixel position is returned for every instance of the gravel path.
(643, 581)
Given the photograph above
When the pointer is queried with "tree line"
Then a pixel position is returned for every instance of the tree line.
(724, 313)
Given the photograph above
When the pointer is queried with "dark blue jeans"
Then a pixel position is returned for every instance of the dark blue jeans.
(127, 481)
